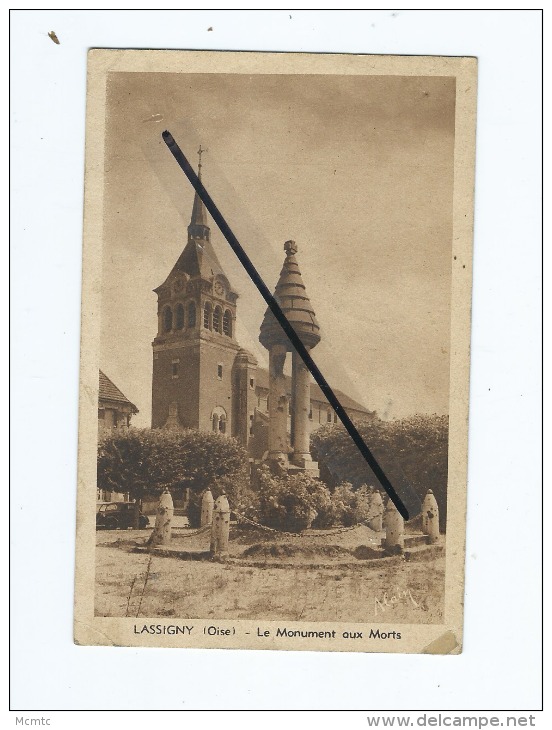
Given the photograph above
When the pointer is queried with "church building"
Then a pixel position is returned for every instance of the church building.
(202, 378)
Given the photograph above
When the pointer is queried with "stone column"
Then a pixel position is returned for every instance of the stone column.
(393, 542)
(431, 518)
(277, 405)
(376, 513)
(207, 503)
(220, 529)
(300, 385)
(162, 531)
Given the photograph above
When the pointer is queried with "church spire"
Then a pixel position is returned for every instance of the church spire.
(199, 227)
(198, 257)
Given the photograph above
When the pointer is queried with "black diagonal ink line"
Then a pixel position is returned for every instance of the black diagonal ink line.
(287, 327)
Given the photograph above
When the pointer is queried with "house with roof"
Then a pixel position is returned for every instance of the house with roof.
(114, 412)
(114, 408)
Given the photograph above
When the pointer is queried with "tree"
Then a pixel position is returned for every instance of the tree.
(413, 450)
(145, 461)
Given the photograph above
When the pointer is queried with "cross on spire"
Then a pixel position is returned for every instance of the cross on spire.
(200, 152)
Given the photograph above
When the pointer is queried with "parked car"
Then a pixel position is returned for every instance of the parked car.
(120, 516)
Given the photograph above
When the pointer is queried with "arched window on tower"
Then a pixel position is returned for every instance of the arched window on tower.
(329, 415)
(227, 323)
(219, 419)
(217, 320)
(179, 316)
(207, 316)
(167, 319)
(191, 314)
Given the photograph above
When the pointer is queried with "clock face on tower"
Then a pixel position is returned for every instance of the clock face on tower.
(219, 289)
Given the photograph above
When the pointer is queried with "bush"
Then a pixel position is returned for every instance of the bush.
(293, 502)
(342, 500)
(145, 461)
(296, 502)
(352, 506)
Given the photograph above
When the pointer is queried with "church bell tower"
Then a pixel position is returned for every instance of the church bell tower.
(195, 348)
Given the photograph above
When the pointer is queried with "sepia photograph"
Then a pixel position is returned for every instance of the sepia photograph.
(275, 367)
(237, 488)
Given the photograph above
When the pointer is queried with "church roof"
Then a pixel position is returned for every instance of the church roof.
(199, 259)
(291, 295)
(316, 393)
(109, 391)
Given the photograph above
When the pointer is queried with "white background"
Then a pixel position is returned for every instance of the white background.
(500, 665)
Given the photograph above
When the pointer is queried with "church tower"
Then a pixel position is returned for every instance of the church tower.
(194, 352)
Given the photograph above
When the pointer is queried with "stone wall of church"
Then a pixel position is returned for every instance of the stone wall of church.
(215, 384)
(244, 398)
(176, 380)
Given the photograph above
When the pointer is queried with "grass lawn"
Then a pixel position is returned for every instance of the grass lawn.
(394, 591)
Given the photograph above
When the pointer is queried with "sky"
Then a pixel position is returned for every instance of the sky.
(358, 170)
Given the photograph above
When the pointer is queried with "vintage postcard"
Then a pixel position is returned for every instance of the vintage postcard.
(234, 475)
